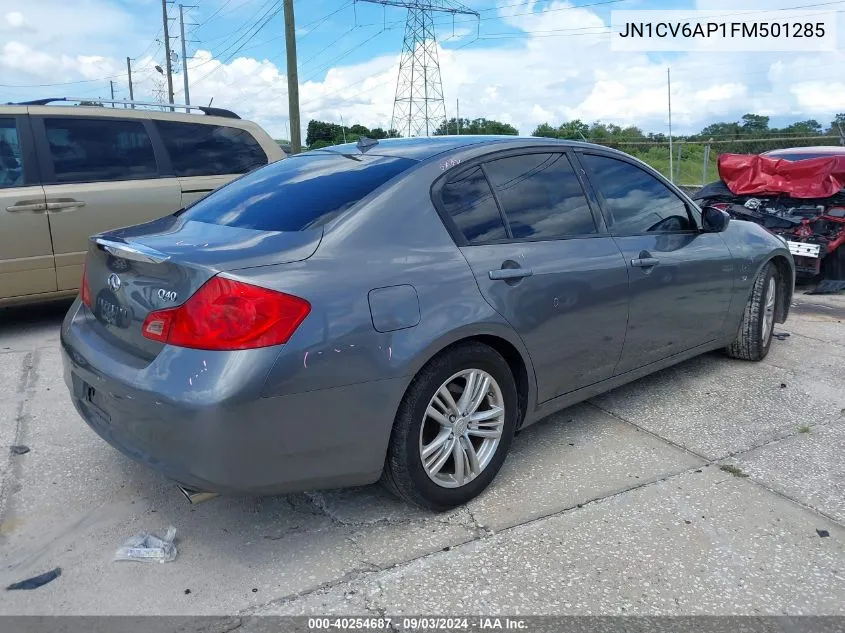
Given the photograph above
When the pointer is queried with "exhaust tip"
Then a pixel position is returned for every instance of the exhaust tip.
(196, 496)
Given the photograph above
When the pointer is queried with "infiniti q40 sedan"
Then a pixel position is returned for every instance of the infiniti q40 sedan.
(397, 310)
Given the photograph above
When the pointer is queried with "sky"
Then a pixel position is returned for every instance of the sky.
(524, 62)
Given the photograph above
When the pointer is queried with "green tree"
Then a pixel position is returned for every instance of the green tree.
(720, 131)
(576, 129)
(810, 127)
(545, 130)
(837, 126)
(756, 124)
(476, 126)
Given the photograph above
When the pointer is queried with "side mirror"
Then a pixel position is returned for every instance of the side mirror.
(714, 220)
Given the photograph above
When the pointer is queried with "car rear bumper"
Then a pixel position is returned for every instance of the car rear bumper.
(228, 441)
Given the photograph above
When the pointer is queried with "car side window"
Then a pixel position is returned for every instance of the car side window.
(541, 196)
(11, 161)
(636, 201)
(99, 150)
(468, 199)
(198, 149)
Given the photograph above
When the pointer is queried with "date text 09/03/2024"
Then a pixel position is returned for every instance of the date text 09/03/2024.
(416, 624)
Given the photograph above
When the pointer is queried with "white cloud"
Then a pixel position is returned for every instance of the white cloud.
(525, 80)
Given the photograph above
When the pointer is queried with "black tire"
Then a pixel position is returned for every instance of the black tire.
(752, 343)
(404, 474)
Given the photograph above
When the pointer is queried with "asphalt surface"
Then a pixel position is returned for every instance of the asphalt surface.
(616, 506)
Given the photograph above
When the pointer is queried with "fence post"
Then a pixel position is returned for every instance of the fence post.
(678, 169)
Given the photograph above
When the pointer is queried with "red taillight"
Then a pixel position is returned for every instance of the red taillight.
(85, 289)
(228, 315)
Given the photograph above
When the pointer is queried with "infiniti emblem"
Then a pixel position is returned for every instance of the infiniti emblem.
(114, 282)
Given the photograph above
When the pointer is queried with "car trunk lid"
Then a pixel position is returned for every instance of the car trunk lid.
(132, 272)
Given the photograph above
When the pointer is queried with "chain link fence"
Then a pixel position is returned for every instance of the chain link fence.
(694, 163)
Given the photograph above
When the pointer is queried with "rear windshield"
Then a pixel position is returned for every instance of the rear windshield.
(297, 193)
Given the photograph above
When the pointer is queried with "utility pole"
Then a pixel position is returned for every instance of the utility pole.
(111, 88)
(169, 64)
(293, 80)
(184, 55)
(669, 89)
(129, 72)
(458, 104)
(343, 128)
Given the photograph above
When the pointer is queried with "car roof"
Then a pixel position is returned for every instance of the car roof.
(123, 113)
(819, 149)
(422, 148)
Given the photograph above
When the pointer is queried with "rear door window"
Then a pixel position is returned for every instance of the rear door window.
(469, 201)
(11, 161)
(198, 149)
(541, 196)
(298, 193)
(99, 150)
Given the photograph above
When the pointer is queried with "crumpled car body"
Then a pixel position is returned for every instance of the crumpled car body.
(798, 194)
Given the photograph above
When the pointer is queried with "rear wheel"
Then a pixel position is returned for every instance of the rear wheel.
(755, 333)
(453, 428)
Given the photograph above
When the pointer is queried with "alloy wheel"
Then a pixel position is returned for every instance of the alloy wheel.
(462, 428)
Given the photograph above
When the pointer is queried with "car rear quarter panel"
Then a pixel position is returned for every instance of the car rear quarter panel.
(395, 240)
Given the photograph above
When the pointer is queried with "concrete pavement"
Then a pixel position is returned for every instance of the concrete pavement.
(616, 506)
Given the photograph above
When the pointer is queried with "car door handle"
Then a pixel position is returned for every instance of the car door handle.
(645, 262)
(510, 273)
(64, 205)
(27, 206)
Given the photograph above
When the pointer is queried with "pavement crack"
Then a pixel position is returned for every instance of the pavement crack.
(717, 460)
(642, 429)
(26, 388)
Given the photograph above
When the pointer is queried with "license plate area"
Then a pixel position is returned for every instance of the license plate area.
(94, 399)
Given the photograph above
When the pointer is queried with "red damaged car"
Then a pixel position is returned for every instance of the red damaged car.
(796, 193)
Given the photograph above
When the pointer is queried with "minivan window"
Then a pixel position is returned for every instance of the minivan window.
(198, 149)
(637, 201)
(541, 196)
(297, 193)
(468, 199)
(11, 162)
(99, 150)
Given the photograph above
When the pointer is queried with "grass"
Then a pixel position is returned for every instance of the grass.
(736, 471)
(804, 428)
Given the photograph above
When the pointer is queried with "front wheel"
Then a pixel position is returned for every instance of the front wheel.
(755, 333)
(453, 428)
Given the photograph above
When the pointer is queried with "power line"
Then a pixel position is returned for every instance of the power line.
(320, 21)
(276, 10)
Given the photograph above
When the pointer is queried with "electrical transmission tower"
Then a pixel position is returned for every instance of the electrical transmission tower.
(419, 108)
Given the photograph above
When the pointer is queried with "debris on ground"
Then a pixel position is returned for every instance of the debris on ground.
(736, 471)
(823, 533)
(783, 385)
(827, 287)
(781, 336)
(149, 547)
(19, 449)
(36, 581)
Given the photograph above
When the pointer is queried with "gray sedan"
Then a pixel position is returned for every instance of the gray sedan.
(397, 310)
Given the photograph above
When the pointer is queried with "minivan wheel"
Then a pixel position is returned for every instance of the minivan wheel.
(755, 333)
(453, 428)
